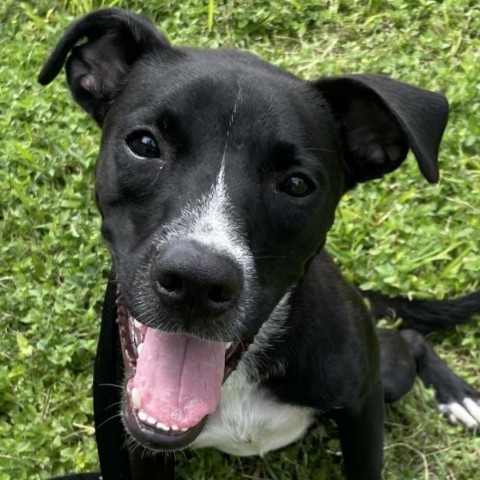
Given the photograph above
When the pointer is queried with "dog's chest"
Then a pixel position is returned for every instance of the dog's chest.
(248, 421)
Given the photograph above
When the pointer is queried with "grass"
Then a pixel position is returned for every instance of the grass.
(397, 235)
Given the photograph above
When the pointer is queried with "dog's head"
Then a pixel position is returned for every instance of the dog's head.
(217, 182)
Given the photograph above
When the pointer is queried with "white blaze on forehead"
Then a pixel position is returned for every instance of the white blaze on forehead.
(211, 220)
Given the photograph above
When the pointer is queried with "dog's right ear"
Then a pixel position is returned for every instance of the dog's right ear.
(95, 70)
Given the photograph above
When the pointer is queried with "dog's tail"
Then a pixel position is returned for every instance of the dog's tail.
(424, 316)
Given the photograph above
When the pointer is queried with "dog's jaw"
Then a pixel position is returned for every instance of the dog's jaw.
(165, 409)
(157, 439)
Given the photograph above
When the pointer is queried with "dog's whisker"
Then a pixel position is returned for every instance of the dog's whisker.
(115, 250)
(113, 405)
(114, 385)
(113, 417)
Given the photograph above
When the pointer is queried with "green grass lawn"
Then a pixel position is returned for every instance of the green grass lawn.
(398, 234)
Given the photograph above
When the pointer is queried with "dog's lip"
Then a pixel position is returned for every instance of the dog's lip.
(155, 439)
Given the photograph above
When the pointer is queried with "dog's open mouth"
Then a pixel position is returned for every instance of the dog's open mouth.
(173, 381)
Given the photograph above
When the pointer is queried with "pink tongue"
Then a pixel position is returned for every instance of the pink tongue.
(179, 377)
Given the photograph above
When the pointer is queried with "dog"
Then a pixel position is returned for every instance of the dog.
(225, 319)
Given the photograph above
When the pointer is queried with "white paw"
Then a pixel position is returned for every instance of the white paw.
(465, 413)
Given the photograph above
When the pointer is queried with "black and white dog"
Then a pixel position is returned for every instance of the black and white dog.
(217, 181)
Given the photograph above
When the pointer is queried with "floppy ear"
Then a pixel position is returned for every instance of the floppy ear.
(96, 69)
(380, 120)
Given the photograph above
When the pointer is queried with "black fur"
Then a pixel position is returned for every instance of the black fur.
(425, 316)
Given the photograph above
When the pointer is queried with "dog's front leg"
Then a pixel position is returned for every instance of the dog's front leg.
(117, 461)
(107, 380)
(361, 437)
(148, 466)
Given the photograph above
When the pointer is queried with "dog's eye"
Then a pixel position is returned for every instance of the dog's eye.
(143, 145)
(297, 186)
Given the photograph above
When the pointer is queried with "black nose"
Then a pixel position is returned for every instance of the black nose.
(195, 279)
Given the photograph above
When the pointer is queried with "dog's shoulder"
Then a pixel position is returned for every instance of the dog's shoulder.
(329, 349)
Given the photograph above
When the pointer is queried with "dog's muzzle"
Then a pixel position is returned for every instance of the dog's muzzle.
(173, 379)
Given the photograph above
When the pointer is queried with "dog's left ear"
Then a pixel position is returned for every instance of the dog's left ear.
(381, 119)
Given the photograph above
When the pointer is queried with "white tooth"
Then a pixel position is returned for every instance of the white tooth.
(136, 398)
(174, 427)
(133, 334)
(151, 421)
(142, 416)
(137, 323)
(184, 429)
(139, 348)
(162, 426)
(131, 331)
(228, 345)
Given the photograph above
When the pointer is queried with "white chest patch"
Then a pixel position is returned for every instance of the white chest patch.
(248, 421)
